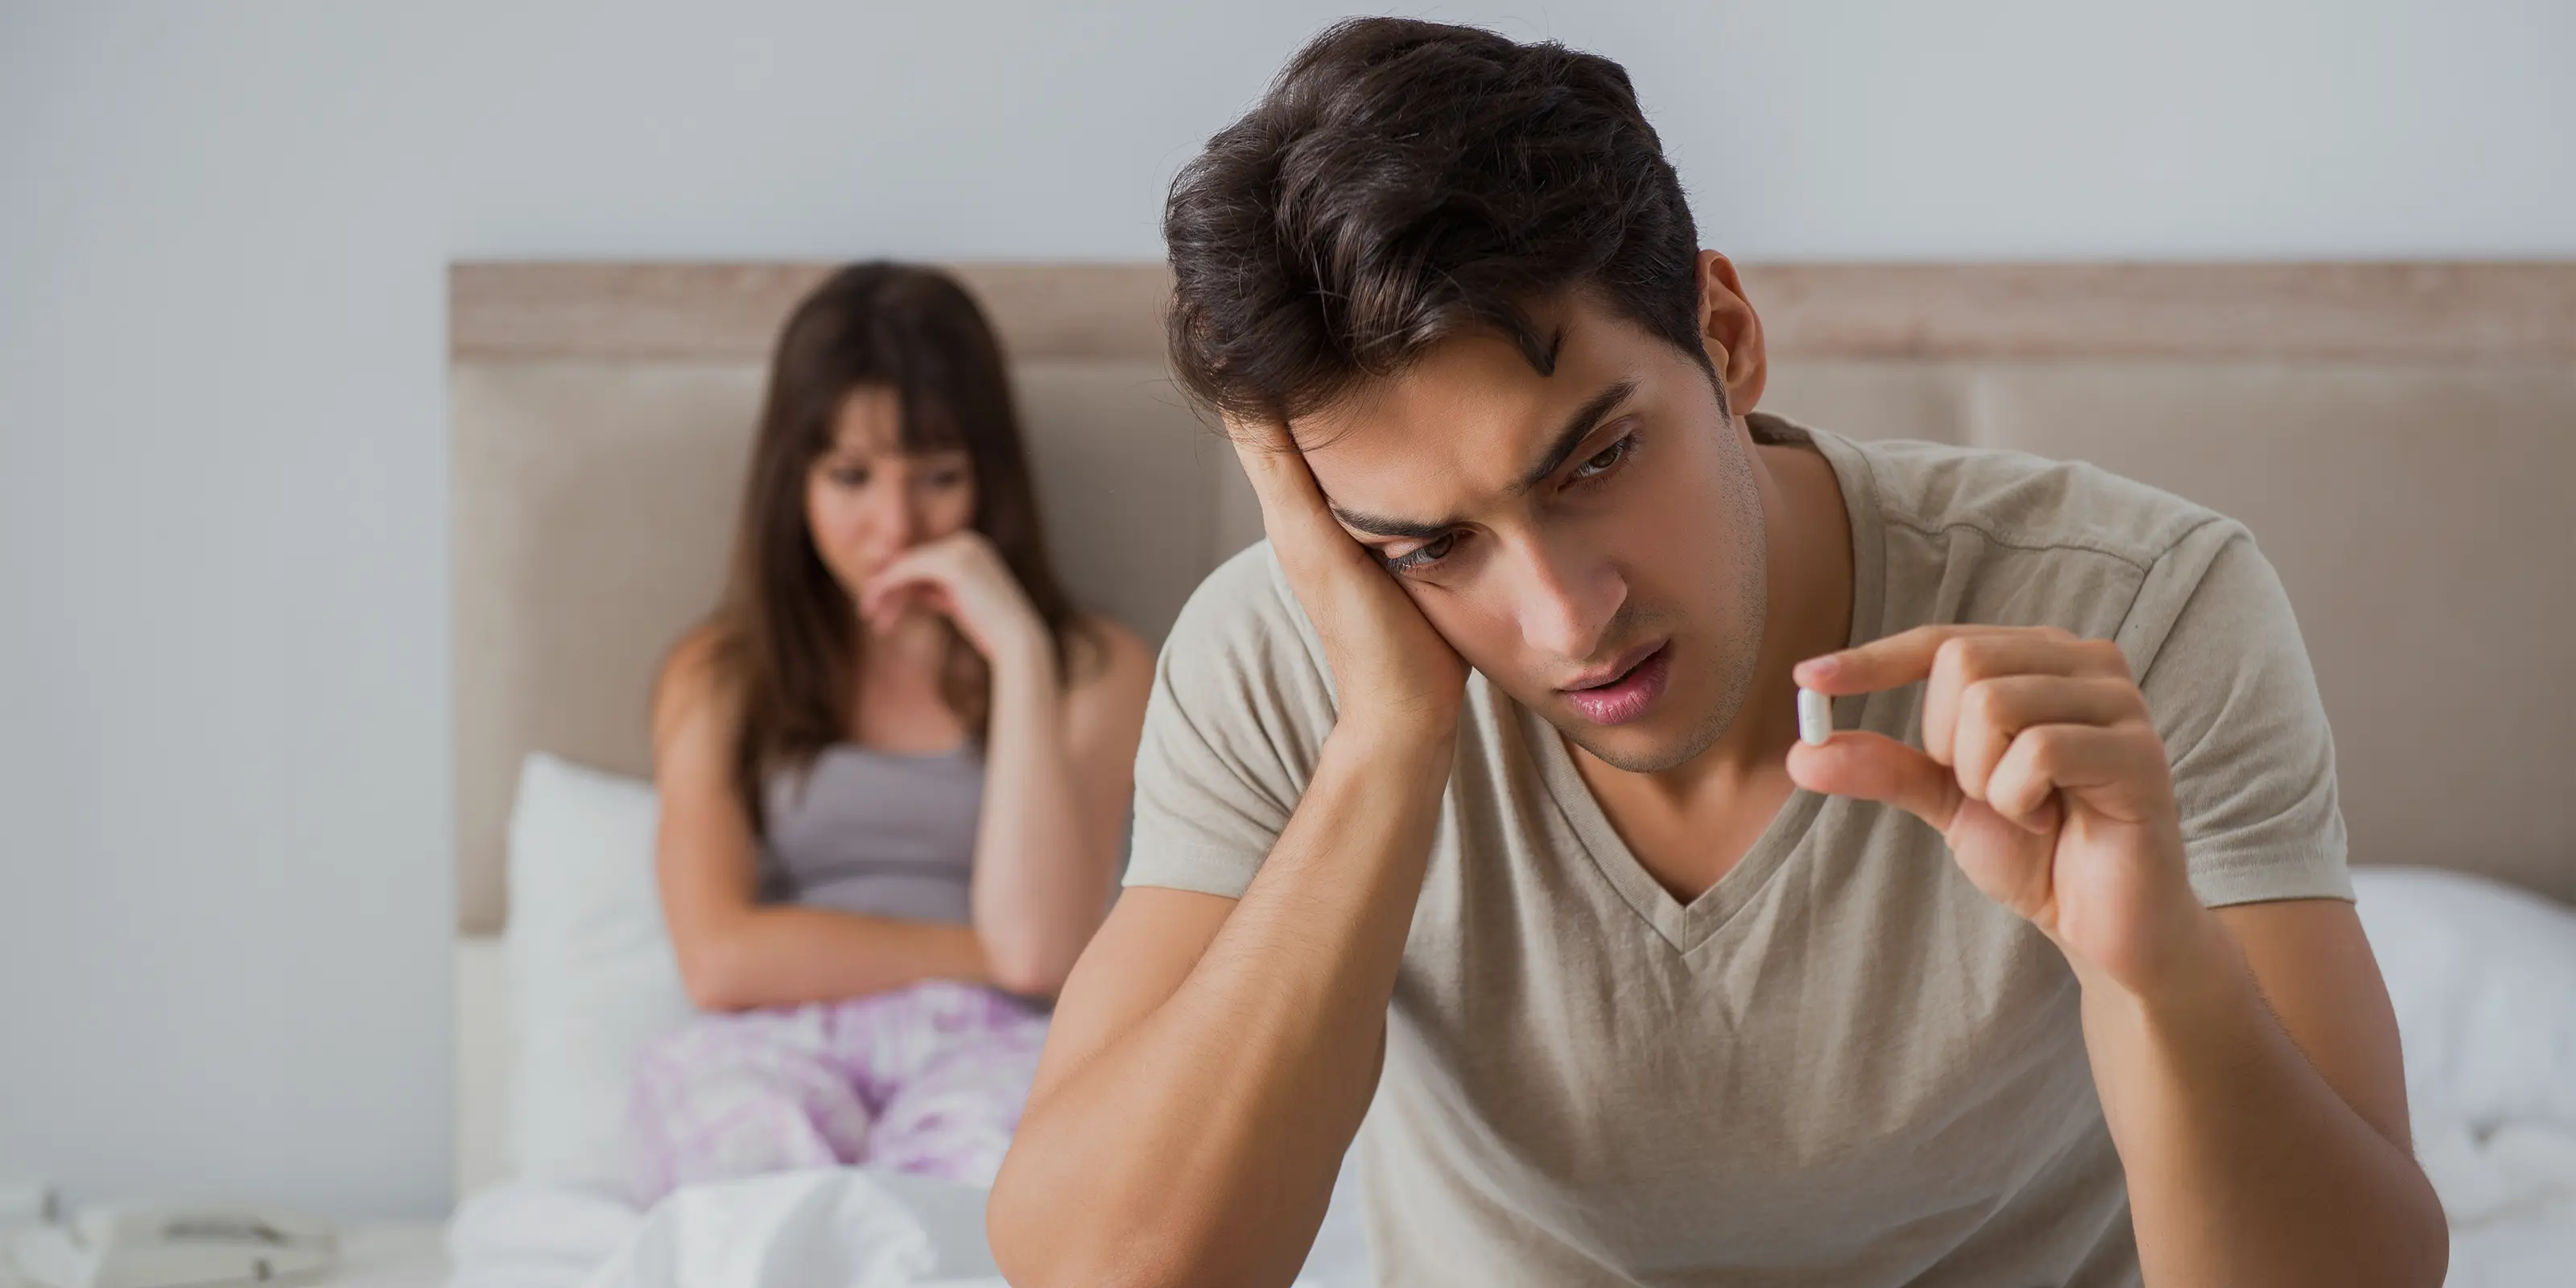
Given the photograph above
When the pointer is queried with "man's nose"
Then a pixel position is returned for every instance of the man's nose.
(1568, 596)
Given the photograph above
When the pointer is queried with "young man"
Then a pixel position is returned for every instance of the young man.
(1476, 791)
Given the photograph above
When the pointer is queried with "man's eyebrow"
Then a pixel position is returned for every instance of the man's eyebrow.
(1578, 427)
(1382, 527)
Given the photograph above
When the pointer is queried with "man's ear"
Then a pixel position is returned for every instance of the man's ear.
(1731, 332)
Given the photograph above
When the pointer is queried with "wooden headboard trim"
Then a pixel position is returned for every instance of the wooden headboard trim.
(2445, 312)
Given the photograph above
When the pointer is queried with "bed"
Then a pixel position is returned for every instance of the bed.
(2401, 438)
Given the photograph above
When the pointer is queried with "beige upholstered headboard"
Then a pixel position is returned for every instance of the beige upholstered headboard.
(2401, 439)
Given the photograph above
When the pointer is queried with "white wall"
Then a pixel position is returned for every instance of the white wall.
(224, 782)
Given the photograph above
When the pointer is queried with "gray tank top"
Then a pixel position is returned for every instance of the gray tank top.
(876, 832)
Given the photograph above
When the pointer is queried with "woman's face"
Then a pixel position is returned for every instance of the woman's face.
(867, 500)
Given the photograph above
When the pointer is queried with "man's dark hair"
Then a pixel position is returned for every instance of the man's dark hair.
(1403, 182)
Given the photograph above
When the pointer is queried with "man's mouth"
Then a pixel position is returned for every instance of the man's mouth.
(1623, 691)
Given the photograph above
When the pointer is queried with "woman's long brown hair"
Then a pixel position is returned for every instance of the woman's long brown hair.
(785, 634)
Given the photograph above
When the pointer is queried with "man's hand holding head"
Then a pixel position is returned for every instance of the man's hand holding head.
(1392, 674)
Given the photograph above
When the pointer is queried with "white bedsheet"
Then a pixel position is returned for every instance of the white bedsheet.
(2533, 1246)
(525, 1235)
(847, 1228)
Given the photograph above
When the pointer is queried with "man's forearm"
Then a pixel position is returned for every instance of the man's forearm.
(2244, 1164)
(1201, 1145)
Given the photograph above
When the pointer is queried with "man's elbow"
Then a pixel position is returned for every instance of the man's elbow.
(2430, 1266)
(2400, 1240)
(1028, 1249)
(2437, 1259)
(1134, 1266)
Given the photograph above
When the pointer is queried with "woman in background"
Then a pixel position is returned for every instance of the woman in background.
(894, 767)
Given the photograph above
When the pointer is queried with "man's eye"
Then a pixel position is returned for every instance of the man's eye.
(1424, 555)
(1605, 460)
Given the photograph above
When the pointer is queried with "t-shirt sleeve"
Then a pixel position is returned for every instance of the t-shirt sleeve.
(1241, 702)
(2235, 700)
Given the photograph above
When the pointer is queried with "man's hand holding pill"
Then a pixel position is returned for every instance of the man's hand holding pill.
(2042, 769)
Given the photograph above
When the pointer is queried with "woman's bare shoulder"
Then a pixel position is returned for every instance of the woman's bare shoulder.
(1104, 654)
(696, 680)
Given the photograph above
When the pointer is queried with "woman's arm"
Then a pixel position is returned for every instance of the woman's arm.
(734, 952)
(1059, 755)
(1059, 766)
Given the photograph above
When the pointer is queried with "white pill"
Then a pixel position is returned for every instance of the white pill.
(1815, 717)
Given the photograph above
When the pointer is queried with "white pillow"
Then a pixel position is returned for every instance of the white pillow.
(591, 978)
(2483, 978)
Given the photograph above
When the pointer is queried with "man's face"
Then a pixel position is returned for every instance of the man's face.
(1591, 540)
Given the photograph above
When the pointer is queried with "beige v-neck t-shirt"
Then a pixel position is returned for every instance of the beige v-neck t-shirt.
(1841, 1064)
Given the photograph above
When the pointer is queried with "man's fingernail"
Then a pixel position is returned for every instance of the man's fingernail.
(1821, 668)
